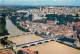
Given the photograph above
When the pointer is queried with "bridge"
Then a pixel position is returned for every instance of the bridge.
(33, 43)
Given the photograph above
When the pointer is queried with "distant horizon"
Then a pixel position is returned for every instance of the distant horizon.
(40, 2)
(45, 5)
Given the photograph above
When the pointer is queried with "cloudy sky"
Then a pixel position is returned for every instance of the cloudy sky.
(40, 2)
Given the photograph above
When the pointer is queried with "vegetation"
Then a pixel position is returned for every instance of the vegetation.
(63, 19)
(3, 30)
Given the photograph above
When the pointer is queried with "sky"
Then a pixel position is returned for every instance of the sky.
(41, 2)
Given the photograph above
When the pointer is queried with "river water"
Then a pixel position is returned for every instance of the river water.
(55, 48)
(12, 29)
